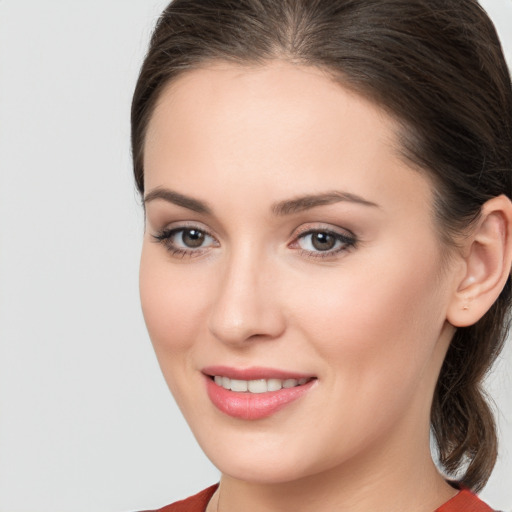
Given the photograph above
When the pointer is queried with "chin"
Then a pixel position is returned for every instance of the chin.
(269, 461)
(260, 472)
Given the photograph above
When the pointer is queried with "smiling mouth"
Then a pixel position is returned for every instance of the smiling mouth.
(257, 386)
(255, 393)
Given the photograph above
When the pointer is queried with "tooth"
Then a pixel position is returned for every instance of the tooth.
(257, 386)
(238, 385)
(290, 383)
(274, 384)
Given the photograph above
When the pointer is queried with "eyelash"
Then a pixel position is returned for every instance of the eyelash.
(347, 242)
(165, 237)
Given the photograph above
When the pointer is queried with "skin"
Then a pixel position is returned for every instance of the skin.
(369, 321)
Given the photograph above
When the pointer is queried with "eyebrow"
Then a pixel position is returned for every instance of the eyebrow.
(178, 199)
(303, 203)
(281, 208)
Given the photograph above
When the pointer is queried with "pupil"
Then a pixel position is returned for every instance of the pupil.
(323, 241)
(192, 238)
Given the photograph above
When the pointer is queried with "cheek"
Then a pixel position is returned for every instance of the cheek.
(170, 302)
(363, 318)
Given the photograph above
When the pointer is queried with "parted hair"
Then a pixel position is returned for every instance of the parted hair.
(438, 68)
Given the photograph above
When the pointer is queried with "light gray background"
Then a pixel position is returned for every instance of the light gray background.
(86, 421)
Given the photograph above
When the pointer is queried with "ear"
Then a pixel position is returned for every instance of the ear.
(487, 260)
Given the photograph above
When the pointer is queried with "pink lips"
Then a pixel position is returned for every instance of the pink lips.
(253, 406)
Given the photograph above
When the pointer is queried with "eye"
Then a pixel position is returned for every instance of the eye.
(185, 241)
(322, 242)
(190, 238)
(319, 241)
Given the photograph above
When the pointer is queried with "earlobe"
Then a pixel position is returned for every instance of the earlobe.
(488, 260)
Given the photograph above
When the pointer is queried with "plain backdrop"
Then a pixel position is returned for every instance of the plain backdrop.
(86, 421)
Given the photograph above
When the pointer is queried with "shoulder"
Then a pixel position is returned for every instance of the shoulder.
(196, 503)
(465, 501)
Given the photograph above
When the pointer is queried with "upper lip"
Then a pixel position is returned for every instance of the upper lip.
(253, 373)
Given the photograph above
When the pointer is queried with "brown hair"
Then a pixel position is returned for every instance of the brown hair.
(435, 65)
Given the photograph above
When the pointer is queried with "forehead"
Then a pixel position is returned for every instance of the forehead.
(279, 101)
(289, 126)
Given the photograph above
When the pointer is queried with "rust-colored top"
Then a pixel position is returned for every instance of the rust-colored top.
(464, 501)
(196, 503)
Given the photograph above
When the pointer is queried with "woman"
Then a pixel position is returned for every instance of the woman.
(325, 273)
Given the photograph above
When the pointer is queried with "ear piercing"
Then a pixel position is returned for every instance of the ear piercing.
(467, 301)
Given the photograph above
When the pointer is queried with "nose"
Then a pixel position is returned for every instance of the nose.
(245, 306)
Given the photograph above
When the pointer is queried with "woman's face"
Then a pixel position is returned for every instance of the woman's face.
(290, 253)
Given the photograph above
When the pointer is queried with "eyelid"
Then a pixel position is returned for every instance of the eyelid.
(308, 228)
(184, 224)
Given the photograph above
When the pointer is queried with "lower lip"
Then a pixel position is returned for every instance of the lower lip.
(253, 406)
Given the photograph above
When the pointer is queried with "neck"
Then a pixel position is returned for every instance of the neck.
(420, 493)
(402, 480)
